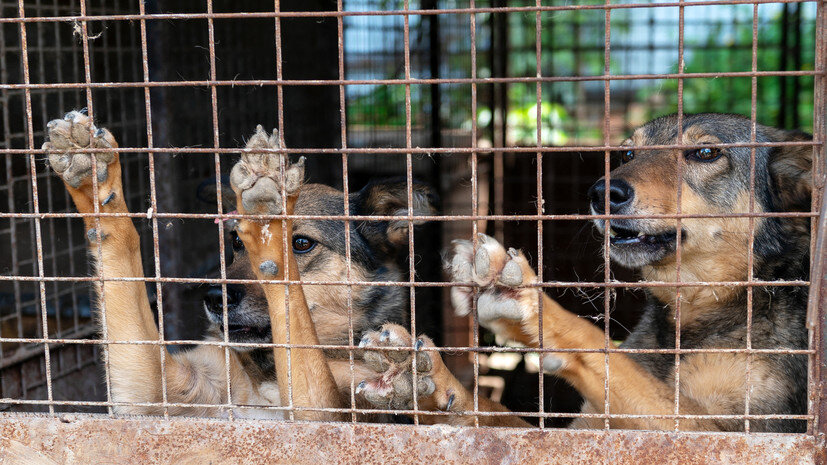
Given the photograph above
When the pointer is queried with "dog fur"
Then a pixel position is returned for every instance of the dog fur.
(196, 382)
(713, 181)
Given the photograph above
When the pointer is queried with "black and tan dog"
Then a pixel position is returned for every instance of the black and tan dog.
(714, 181)
(318, 313)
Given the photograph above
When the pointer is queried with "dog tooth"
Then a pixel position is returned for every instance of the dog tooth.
(612, 232)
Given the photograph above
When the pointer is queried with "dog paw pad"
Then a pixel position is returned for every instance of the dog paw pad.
(394, 387)
(258, 178)
(73, 132)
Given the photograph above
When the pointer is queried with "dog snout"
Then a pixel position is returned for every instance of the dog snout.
(621, 194)
(214, 298)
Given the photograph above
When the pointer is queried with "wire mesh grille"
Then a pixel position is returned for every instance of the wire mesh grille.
(509, 111)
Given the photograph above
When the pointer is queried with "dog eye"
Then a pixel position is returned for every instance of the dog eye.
(627, 156)
(238, 244)
(303, 244)
(705, 154)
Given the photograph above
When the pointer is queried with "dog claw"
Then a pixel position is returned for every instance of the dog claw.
(450, 402)
(109, 198)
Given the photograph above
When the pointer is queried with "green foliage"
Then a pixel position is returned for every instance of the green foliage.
(734, 95)
(382, 106)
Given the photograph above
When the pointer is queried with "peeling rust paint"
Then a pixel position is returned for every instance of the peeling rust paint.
(99, 439)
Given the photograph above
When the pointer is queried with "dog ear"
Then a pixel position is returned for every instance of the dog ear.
(390, 198)
(791, 168)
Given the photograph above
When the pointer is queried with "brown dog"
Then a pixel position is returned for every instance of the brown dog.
(715, 181)
(196, 381)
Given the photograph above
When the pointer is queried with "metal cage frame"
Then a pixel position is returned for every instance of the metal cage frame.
(87, 438)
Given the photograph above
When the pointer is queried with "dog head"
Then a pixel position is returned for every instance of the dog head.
(714, 181)
(320, 248)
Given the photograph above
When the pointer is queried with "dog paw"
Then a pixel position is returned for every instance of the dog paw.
(501, 276)
(394, 388)
(77, 131)
(258, 179)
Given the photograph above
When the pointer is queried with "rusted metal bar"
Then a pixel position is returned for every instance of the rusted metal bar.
(79, 437)
(422, 150)
(92, 439)
(817, 304)
(406, 81)
(397, 12)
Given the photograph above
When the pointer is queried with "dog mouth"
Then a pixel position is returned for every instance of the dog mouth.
(619, 236)
(246, 331)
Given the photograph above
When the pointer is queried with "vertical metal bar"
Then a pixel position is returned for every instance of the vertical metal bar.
(406, 40)
(87, 73)
(35, 205)
(817, 305)
(475, 207)
(607, 275)
(152, 212)
(346, 203)
(219, 209)
(678, 210)
(280, 98)
(538, 91)
(751, 220)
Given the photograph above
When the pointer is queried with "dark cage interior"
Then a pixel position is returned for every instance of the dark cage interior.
(435, 106)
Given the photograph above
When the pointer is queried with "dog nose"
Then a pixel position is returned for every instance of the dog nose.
(620, 195)
(214, 297)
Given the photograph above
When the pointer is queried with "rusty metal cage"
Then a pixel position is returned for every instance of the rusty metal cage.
(509, 109)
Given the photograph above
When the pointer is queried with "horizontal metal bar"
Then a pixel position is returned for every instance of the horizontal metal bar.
(442, 218)
(486, 349)
(421, 150)
(553, 284)
(97, 438)
(33, 351)
(400, 12)
(375, 411)
(410, 81)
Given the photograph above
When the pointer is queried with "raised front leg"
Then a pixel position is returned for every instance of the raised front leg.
(510, 307)
(436, 387)
(128, 316)
(196, 376)
(260, 180)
